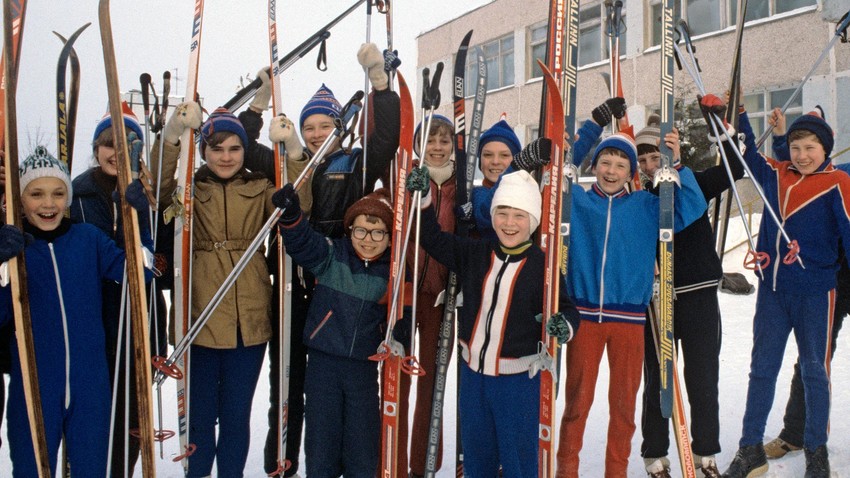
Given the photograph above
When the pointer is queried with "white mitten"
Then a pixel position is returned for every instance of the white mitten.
(372, 61)
(281, 130)
(187, 115)
(260, 102)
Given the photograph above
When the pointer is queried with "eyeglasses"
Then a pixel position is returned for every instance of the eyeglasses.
(377, 235)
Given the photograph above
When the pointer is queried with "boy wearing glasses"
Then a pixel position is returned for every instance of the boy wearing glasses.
(344, 327)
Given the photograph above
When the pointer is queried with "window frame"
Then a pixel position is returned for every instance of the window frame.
(472, 59)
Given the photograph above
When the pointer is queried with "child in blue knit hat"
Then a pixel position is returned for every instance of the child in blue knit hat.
(67, 264)
(813, 200)
(614, 234)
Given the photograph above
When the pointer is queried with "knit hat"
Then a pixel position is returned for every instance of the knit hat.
(323, 102)
(520, 191)
(222, 120)
(651, 133)
(376, 204)
(814, 123)
(130, 122)
(41, 164)
(502, 133)
(436, 119)
(623, 141)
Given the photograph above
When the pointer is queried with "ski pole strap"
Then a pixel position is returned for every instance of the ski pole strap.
(322, 59)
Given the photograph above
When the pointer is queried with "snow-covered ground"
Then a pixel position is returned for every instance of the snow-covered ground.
(737, 314)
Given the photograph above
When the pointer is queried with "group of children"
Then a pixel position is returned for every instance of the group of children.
(338, 228)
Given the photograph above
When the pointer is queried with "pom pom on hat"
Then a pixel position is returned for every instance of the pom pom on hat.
(377, 204)
(41, 164)
(130, 122)
(323, 102)
(650, 135)
(623, 141)
(520, 191)
(502, 133)
(436, 119)
(222, 120)
(814, 123)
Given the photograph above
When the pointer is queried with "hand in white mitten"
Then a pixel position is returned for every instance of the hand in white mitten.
(260, 102)
(187, 115)
(281, 130)
(372, 61)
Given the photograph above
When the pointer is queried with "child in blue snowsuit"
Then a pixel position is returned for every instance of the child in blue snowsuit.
(499, 333)
(345, 324)
(812, 199)
(66, 264)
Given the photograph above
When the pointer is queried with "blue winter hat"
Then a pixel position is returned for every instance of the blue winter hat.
(814, 123)
(622, 141)
(502, 133)
(222, 120)
(323, 102)
(130, 122)
(436, 119)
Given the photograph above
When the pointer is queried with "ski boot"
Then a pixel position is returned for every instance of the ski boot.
(657, 467)
(749, 461)
(708, 466)
(817, 462)
(777, 448)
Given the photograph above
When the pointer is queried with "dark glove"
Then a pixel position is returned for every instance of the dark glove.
(391, 60)
(557, 326)
(286, 199)
(12, 242)
(612, 107)
(534, 156)
(419, 179)
(463, 213)
(135, 196)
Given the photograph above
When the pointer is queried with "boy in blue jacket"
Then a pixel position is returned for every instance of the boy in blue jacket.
(610, 276)
(812, 199)
(344, 327)
(66, 264)
(502, 283)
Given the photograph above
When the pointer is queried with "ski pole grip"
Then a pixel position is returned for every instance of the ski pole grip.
(426, 88)
(145, 80)
(434, 94)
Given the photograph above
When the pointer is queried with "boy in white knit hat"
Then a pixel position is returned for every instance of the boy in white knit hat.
(502, 283)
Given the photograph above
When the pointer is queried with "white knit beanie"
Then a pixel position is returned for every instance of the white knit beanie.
(41, 164)
(520, 191)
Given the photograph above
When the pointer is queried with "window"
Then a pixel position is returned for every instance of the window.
(705, 16)
(594, 37)
(760, 104)
(537, 37)
(499, 57)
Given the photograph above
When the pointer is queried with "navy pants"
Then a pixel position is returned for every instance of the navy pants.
(499, 417)
(696, 325)
(810, 317)
(341, 417)
(221, 390)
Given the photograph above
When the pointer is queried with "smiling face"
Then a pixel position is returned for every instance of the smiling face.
(649, 163)
(44, 201)
(367, 247)
(315, 130)
(439, 148)
(226, 157)
(513, 226)
(807, 153)
(495, 159)
(612, 171)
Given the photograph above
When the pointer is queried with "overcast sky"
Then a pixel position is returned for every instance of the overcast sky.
(153, 36)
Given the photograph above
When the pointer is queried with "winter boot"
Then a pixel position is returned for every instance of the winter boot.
(817, 462)
(749, 461)
(777, 448)
(657, 467)
(708, 466)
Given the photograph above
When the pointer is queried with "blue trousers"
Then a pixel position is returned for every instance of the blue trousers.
(498, 419)
(810, 317)
(342, 423)
(221, 389)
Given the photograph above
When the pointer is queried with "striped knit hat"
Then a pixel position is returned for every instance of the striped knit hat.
(323, 102)
(222, 120)
(42, 164)
(377, 204)
(131, 123)
(623, 141)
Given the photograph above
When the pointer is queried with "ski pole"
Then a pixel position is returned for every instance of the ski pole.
(166, 367)
(365, 117)
(840, 31)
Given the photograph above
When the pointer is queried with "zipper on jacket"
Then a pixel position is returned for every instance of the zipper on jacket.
(64, 326)
(779, 228)
(236, 282)
(604, 257)
(436, 202)
(489, 322)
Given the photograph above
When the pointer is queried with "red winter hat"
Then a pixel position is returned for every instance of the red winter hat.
(377, 204)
